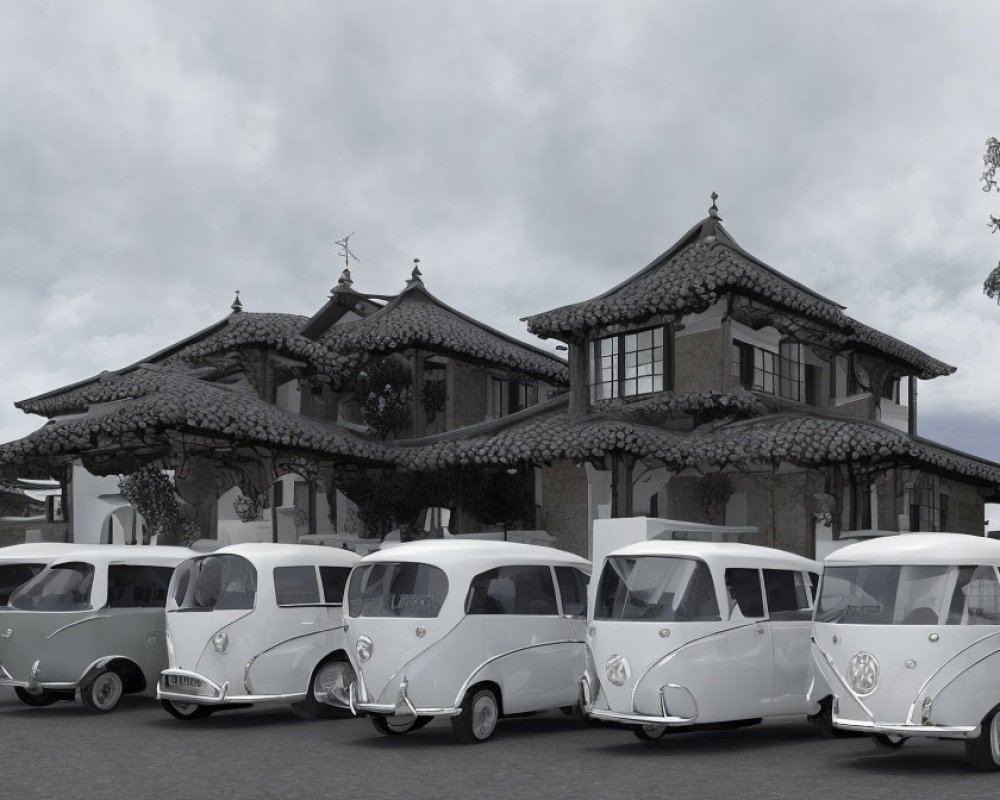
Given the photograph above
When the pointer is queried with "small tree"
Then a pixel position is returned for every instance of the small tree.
(152, 494)
(991, 162)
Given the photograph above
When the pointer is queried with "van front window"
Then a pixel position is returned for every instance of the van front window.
(910, 595)
(215, 582)
(61, 587)
(664, 589)
(396, 589)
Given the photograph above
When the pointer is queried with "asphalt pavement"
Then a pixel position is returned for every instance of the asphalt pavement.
(138, 751)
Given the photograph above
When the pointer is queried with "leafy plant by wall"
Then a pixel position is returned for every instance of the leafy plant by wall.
(152, 494)
(384, 389)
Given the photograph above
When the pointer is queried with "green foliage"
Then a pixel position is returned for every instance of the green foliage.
(991, 162)
(384, 390)
(152, 494)
(434, 394)
(714, 491)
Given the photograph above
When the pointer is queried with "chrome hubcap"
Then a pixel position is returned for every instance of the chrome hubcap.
(484, 715)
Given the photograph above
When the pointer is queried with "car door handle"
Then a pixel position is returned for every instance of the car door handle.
(760, 630)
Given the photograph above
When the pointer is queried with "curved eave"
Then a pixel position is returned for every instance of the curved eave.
(417, 319)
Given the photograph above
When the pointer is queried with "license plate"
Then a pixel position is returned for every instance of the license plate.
(183, 680)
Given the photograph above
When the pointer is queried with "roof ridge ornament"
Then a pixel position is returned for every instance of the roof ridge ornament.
(344, 281)
(713, 211)
(416, 275)
(237, 306)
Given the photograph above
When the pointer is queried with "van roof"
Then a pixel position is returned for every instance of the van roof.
(126, 554)
(442, 552)
(35, 551)
(919, 548)
(728, 552)
(281, 553)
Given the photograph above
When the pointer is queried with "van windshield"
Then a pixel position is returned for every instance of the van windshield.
(215, 582)
(61, 587)
(664, 589)
(910, 595)
(396, 589)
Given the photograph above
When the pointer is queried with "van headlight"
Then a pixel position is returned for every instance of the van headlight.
(617, 669)
(364, 648)
(220, 642)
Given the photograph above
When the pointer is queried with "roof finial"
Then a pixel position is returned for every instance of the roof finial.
(713, 212)
(237, 306)
(345, 251)
(416, 274)
(345, 279)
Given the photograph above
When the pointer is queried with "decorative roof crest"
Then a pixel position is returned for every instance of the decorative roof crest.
(237, 306)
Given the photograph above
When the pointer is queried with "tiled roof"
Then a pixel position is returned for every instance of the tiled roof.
(415, 318)
(705, 265)
(179, 403)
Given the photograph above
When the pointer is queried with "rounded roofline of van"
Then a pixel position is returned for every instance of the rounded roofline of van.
(919, 548)
(126, 554)
(448, 551)
(746, 554)
(287, 553)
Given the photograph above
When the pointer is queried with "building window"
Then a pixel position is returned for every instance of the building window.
(630, 364)
(507, 396)
(780, 373)
(928, 505)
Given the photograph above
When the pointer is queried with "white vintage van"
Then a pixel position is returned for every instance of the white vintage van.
(19, 563)
(90, 623)
(472, 630)
(907, 640)
(258, 623)
(694, 634)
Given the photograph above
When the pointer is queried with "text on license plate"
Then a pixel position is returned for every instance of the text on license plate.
(183, 680)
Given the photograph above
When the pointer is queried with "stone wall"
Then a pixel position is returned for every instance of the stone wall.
(698, 362)
(563, 511)
(966, 510)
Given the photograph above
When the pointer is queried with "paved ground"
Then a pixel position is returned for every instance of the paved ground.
(140, 752)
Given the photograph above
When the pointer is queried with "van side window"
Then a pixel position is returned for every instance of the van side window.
(13, 575)
(296, 586)
(512, 590)
(60, 587)
(743, 587)
(976, 599)
(787, 595)
(334, 579)
(573, 591)
(137, 586)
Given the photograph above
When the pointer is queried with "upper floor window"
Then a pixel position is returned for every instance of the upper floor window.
(507, 396)
(928, 505)
(629, 364)
(780, 373)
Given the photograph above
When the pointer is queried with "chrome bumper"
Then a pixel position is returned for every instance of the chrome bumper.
(902, 729)
(361, 703)
(587, 694)
(210, 693)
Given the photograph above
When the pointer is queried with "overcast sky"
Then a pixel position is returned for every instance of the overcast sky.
(155, 157)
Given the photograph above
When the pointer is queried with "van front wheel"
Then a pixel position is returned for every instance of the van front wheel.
(186, 710)
(397, 726)
(650, 733)
(888, 741)
(478, 720)
(102, 691)
(984, 750)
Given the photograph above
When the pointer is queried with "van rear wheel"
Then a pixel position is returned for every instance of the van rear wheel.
(479, 717)
(984, 750)
(328, 694)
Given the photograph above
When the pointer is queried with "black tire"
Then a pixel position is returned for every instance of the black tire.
(650, 733)
(479, 717)
(888, 741)
(332, 678)
(101, 692)
(36, 699)
(823, 719)
(984, 750)
(397, 726)
(186, 711)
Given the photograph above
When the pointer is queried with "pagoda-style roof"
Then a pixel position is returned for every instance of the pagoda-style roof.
(703, 267)
(417, 319)
(177, 404)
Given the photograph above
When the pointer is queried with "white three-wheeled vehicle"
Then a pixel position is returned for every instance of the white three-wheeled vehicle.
(472, 630)
(695, 634)
(91, 622)
(907, 639)
(258, 623)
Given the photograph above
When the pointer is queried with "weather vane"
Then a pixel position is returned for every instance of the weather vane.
(345, 251)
